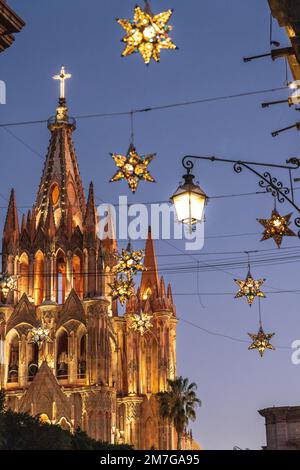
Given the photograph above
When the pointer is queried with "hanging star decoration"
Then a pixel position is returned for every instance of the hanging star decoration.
(277, 227)
(132, 168)
(122, 289)
(8, 283)
(130, 262)
(39, 335)
(147, 33)
(249, 288)
(261, 341)
(141, 323)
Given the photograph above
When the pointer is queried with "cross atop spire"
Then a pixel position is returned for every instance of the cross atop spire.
(62, 77)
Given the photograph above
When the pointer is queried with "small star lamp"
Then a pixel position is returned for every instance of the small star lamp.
(133, 168)
(276, 227)
(147, 34)
(130, 262)
(141, 323)
(7, 284)
(249, 288)
(40, 335)
(122, 289)
(261, 341)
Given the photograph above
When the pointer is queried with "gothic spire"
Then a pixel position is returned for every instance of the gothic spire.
(90, 219)
(61, 181)
(11, 226)
(23, 223)
(150, 279)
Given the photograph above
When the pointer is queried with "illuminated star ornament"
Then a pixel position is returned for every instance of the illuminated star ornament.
(261, 341)
(7, 284)
(122, 289)
(40, 336)
(147, 33)
(277, 227)
(130, 262)
(249, 288)
(141, 323)
(133, 168)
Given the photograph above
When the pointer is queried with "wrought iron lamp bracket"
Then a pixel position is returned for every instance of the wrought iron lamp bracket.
(266, 181)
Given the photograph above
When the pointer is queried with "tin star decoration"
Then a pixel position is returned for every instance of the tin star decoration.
(147, 33)
(133, 168)
(249, 288)
(130, 262)
(39, 336)
(122, 289)
(277, 227)
(261, 341)
(141, 323)
(7, 284)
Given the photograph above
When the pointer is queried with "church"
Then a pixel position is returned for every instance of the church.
(92, 371)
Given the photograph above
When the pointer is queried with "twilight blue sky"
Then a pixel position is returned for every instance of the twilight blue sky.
(213, 36)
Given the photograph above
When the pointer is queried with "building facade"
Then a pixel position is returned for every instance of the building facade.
(282, 427)
(10, 23)
(96, 372)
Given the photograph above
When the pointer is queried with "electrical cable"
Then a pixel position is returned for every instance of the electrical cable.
(155, 108)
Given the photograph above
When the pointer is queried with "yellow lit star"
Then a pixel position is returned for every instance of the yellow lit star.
(277, 227)
(39, 336)
(133, 168)
(130, 262)
(261, 341)
(7, 284)
(141, 323)
(147, 33)
(249, 288)
(122, 289)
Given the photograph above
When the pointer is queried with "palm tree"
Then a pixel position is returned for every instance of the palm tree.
(178, 404)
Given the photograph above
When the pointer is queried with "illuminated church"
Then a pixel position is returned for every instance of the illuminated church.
(93, 372)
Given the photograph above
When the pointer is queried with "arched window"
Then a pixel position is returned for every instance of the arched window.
(24, 274)
(33, 362)
(44, 418)
(147, 293)
(82, 358)
(64, 424)
(61, 278)
(13, 362)
(62, 356)
(78, 275)
(38, 278)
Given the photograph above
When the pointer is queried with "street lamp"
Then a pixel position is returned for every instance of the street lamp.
(189, 201)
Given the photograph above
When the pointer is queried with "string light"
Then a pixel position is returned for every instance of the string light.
(147, 33)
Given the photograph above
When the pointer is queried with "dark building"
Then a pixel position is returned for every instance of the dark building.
(10, 23)
(282, 427)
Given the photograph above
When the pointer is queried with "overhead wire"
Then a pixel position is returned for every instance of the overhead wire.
(155, 108)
